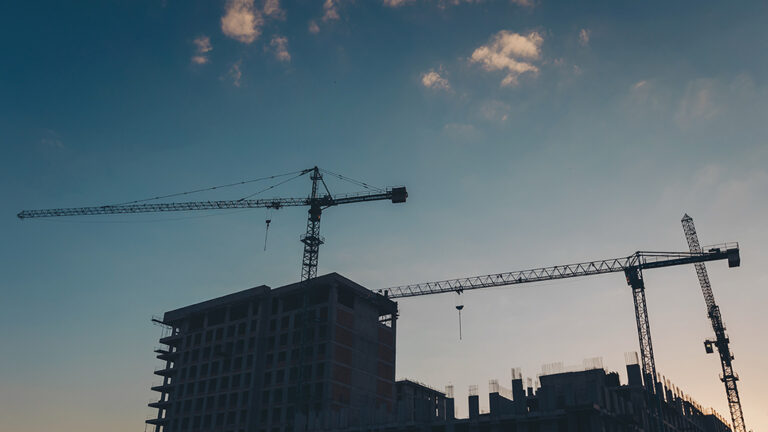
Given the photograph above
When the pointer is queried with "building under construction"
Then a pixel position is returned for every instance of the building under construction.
(320, 355)
(259, 359)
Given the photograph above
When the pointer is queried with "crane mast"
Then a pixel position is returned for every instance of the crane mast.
(312, 239)
(632, 266)
(721, 341)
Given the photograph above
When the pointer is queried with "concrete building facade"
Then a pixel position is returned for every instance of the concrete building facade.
(314, 355)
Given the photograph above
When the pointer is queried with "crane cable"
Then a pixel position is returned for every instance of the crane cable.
(210, 188)
(301, 173)
(351, 180)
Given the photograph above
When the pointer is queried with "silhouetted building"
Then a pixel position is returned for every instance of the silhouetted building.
(306, 356)
(418, 403)
(320, 356)
(582, 401)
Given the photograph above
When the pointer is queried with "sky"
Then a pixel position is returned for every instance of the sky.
(528, 132)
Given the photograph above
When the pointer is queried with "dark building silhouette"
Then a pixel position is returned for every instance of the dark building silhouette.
(590, 400)
(318, 354)
(418, 403)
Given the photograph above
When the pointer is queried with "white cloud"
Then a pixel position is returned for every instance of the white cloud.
(280, 45)
(434, 80)
(272, 9)
(242, 21)
(202, 48)
(235, 74)
(313, 27)
(510, 52)
(584, 35)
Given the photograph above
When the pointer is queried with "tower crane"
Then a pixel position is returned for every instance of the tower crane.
(632, 266)
(317, 202)
(721, 340)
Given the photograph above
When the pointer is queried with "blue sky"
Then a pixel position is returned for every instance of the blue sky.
(529, 133)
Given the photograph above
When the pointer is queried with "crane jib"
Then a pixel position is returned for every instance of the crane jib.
(396, 195)
(641, 260)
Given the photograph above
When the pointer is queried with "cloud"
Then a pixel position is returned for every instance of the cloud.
(272, 9)
(242, 21)
(397, 3)
(510, 52)
(494, 111)
(202, 48)
(584, 35)
(697, 103)
(235, 74)
(433, 80)
(331, 10)
(280, 45)
(330, 13)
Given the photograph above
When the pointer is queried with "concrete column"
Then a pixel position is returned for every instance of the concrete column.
(474, 406)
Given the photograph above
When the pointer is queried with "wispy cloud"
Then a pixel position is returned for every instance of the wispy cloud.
(397, 3)
(242, 21)
(280, 46)
(510, 52)
(235, 74)
(202, 48)
(584, 35)
(272, 9)
(494, 111)
(331, 10)
(432, 79)
(698, 102)
(330, 13)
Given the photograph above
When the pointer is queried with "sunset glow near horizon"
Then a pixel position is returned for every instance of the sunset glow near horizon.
(529, 133)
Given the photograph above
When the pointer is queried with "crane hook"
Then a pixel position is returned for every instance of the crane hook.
(266, 231)
(459, 307)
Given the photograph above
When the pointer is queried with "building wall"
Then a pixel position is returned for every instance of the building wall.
(271, 360)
